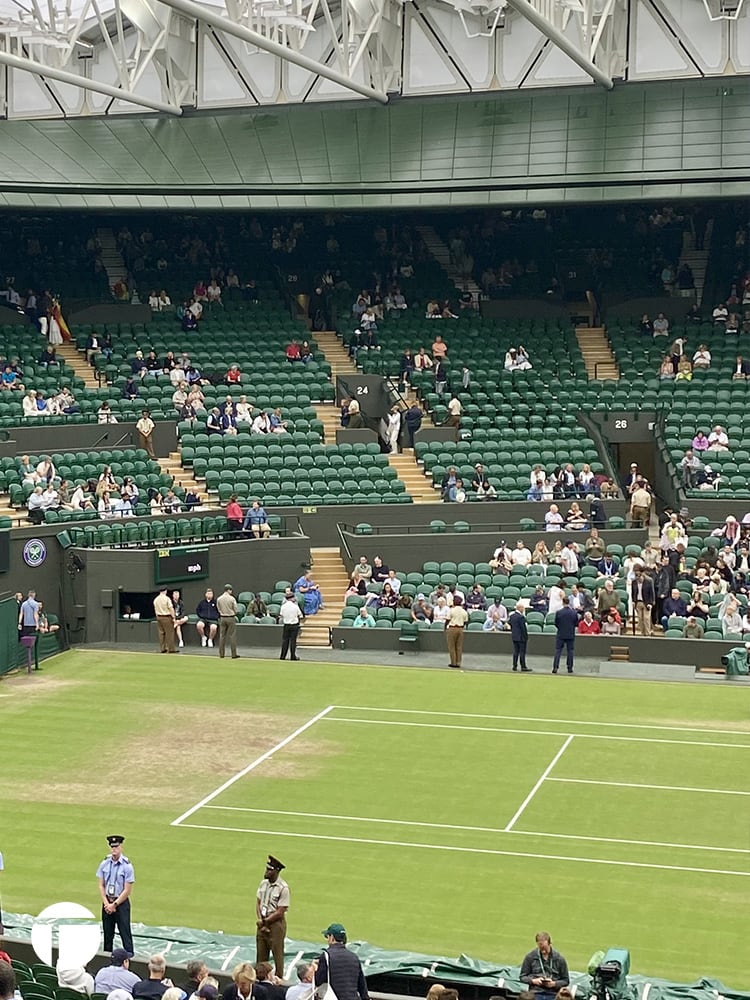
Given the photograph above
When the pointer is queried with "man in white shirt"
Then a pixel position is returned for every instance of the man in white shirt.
(394, 582)
(556, 598)
(718, 440)
(553, 519)
(454, 412)
(521, 556)
(569, 559)
(290, 616)
(304, 989)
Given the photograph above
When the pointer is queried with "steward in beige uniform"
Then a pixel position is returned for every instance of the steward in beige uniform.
(164, 611)
(271, 905)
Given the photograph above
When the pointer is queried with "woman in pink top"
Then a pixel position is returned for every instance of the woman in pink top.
(700, 441)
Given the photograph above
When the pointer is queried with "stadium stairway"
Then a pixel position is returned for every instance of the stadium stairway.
(111, 256)
(697, 260)
(412, 476)
(172, 466)
(597, 353)
(335, 353)
(330, 574)
(77, 361)
(439, 250)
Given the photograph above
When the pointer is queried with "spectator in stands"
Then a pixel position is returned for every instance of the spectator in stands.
(643, 597)
(538, 600)
(256, 521)
(569, 559)
(422, 360)
(720, 315)
(303, 990)
(481, 485)
(243, 980)
(501, 561)
(733, 324)
(691, 467)
(556, 597)
(421, 611)
(718, 439)
(540, 557)
(356, 421)
(155, 986)
(475, 599)
(666, 369)
(608, 599)
(11, 379)
(517, 360)
(35, 505)
(575, 519)
(234, 515)
(208, 618)
(117, 975)
(364, 619)
(693, 629)
(521, 555)
(673, 606)
(594, 548)
(610, 625)
(313, 599)
(731, 624)
(228, 421)
(553, 519)
(702, 358)
(684, 370)
(496, 616)
(105, 415)
(661, 326)
(697, 606)
(75, 979)
(646, 327)
(454, 411)
(406, 367)
(588, 625)
(439, 348)
(197, 971)
(213, 422)
(700, 441)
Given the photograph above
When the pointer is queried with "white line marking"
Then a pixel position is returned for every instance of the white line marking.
(522, 808)
(664, 788)
(643, 843)
(536, 732)
(251, 767)
(471, 829)
(228, 959)
(468, 850)
(360, 819)
(532, 718)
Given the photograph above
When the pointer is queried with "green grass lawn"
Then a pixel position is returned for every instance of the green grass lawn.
(440, 812)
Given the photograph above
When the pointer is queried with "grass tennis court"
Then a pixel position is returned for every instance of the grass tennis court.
(426, 810)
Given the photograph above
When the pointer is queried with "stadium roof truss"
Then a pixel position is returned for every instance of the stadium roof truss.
(67, 58)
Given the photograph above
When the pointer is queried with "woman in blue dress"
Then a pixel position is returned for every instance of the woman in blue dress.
(311, 593)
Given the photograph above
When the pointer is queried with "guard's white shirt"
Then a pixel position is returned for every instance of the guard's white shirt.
(290, 613)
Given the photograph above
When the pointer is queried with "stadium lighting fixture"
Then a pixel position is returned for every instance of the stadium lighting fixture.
(723, 10)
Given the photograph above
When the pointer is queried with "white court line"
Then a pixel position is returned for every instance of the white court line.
(473, 829)
(251, 767)
(642, 843)
(536, 732)
(532, 718)
(468, 850)
(521, 809)
(663, 788)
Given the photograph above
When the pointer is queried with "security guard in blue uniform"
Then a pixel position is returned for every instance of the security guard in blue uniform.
(116, 877)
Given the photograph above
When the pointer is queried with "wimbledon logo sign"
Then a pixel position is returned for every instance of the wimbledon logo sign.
(72, 928)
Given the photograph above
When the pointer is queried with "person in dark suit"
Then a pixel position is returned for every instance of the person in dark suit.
(642, 592)
(519, 632)
(566, 622)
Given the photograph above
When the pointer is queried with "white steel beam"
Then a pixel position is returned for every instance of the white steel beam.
(76, 80)
(211, 16)
(561, 41)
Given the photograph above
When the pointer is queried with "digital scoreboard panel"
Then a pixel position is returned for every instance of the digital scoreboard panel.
(180, 563)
